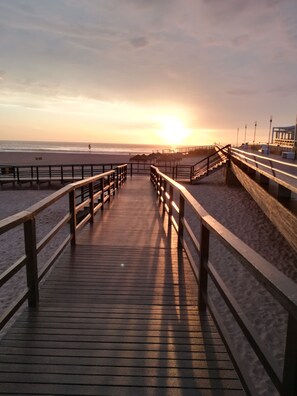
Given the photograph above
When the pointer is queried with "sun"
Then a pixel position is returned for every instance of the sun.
(172, 130)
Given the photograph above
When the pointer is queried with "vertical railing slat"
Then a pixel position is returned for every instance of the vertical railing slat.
(180, 221)
(73, 217)
(203, 276)
(31, 265)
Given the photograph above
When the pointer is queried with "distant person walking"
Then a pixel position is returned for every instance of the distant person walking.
(90, 147)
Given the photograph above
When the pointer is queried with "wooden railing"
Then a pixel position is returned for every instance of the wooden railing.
(51, 173)
(176, 200)
(86, 197)
(270, 169)
(63, 174)
(208, 163)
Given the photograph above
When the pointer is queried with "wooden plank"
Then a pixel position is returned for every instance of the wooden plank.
(118, 316)
(284, 220)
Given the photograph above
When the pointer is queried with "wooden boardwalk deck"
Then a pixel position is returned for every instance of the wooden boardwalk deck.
(118, 316)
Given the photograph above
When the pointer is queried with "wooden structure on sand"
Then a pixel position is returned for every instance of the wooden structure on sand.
(127, 310)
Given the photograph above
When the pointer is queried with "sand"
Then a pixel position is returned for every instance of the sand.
(54, 158)
(232, 206)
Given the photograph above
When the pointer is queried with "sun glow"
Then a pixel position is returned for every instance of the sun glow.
(172, 130)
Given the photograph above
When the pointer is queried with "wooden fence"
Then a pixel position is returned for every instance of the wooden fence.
(86, 197)
(174, 199)
(18, 175)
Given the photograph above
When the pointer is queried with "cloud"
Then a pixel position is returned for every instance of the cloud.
(139, 42)
(242, 92)
(187, 53)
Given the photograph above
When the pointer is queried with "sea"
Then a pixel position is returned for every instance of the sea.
(79, 147)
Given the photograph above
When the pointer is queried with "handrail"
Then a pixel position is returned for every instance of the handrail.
(66, 173)
(211, 160)
(212, 155)
(174, 198)
(251, 158)
(92, 193)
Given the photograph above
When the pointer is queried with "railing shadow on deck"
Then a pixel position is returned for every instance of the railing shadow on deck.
(86, 197)
(174, 199)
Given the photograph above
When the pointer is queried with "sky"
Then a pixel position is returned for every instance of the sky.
(189, 72)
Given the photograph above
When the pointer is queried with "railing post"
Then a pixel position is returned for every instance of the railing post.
(160, 188)
(172, 173)
(290, 364)
(37, 174)
(170, 204)
(102, 193)
(117, 175)
(73, 217)
(109, 187)
(91, 195)
(164, 196)
(31, 266)
(272, 168)
(203, 276)
(191, 173)
(180, 221)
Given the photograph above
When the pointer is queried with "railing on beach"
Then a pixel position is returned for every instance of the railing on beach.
(176, 201)
(269, 169)
(86, 197)
(63, 174)
(211, 163)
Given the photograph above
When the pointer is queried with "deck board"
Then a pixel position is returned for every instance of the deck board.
(118, 316)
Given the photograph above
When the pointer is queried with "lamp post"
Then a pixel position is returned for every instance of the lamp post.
(237, 137)
(245, 134)
(269, 135)
(255, 132)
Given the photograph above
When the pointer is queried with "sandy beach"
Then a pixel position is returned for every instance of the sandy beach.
(232, 206)
(60, 158)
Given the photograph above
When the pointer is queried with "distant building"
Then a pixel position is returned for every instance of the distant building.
(284, 136)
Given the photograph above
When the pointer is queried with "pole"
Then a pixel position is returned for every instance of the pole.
(295, 136)
(245, 134)
(237, 137)
(269, 130)
(255, 132)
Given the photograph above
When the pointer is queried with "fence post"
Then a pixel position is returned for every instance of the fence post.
(170, 204)
(203, 276)
(117, 179)
(73, 217)
(91, 195)
(192, 173)
(180, 221)
(31, 265)
(102, 192)
(109, 187)
(290, 364)
(164, 196)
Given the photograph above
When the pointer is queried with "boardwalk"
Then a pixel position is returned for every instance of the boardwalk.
(118, 316)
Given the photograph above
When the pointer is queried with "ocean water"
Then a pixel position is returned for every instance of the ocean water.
(75, 147)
